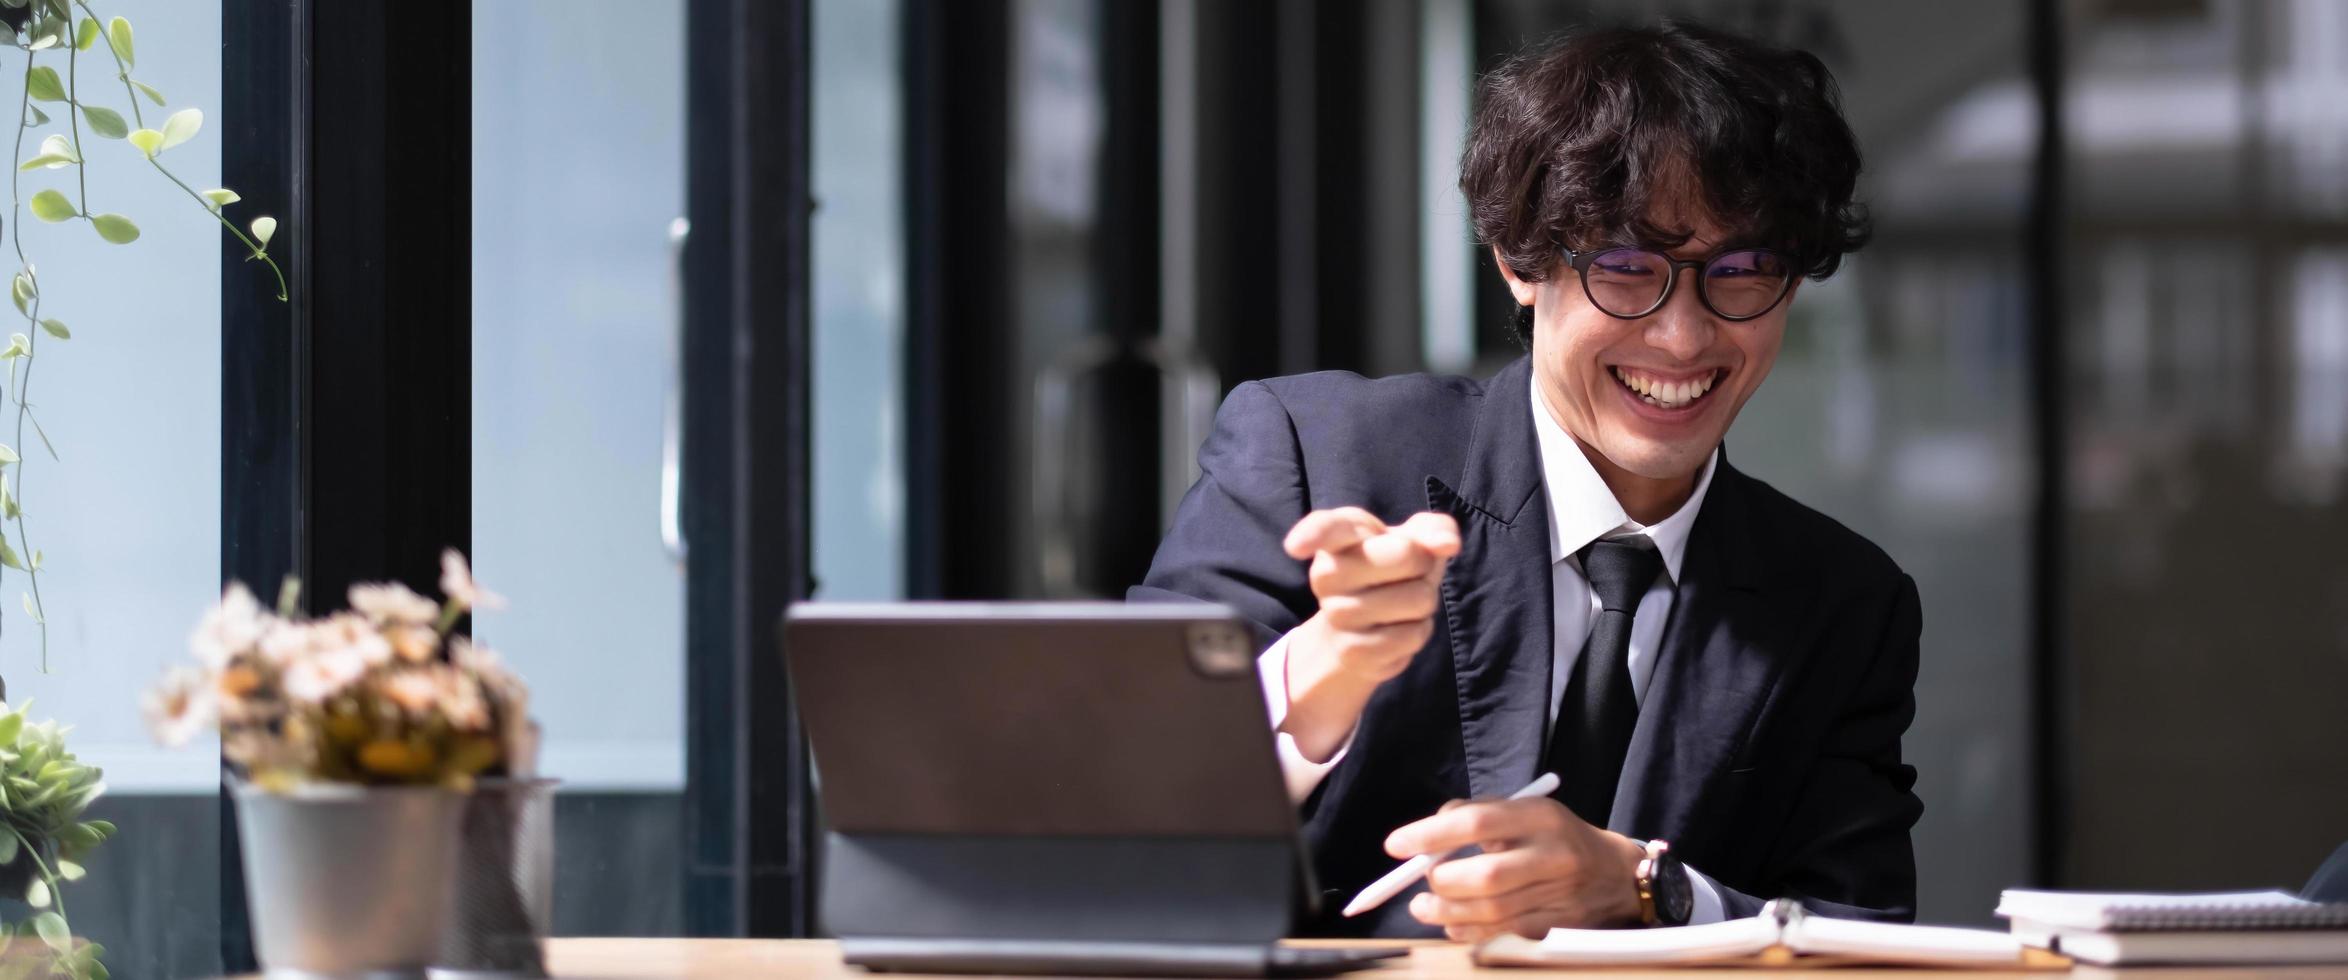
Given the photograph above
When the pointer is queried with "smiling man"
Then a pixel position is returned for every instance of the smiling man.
(1461, 584)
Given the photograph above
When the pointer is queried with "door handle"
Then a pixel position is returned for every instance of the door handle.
(672, 529)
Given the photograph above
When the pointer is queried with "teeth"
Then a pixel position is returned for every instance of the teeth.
(1662, 393)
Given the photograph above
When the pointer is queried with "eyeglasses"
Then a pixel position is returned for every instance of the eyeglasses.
(1629, 283)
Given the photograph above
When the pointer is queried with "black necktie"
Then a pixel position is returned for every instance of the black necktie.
(1595, 719)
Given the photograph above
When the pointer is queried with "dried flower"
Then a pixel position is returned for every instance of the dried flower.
(389, 603)
(179, 706)
(466, 708)
(414, 644)
(348, 632)
(285, 642)
(357, 696)
(320, 676)
(416, 691)
(456, 582)
(231, 628)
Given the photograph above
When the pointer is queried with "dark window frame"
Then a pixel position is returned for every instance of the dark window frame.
(346, 412)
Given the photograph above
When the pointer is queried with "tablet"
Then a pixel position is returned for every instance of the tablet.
(1048, 787)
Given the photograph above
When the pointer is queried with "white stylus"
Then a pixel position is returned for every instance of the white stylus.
(1401, 878)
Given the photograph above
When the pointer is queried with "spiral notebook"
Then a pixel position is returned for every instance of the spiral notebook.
(2032, 911)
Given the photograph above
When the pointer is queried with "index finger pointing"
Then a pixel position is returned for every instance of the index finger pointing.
(1437, 532)
(1335, 529)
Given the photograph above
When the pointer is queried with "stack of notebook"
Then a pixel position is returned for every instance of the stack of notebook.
(2257, 928)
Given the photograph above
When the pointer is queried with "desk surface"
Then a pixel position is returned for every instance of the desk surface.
(811, 959)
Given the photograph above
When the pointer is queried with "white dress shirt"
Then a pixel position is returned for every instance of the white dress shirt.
(1581, 510)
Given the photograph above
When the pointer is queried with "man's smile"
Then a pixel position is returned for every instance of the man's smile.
(1668, 392)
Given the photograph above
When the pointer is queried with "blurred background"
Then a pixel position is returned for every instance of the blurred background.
(2089, 386)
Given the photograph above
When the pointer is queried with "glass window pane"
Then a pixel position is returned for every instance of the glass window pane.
(2207, 407)
(578, 176)
(126, 512)
(858, 274)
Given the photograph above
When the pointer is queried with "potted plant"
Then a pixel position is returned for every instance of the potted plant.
(353, 742)
(44, 791)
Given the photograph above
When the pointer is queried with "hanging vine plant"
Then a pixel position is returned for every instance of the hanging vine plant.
(41, 806)
(48, 31)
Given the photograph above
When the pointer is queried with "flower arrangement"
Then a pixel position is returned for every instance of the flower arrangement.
(383, 693)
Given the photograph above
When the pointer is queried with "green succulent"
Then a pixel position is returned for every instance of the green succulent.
(44, 790)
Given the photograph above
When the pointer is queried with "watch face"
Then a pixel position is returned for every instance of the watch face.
(1675, 899)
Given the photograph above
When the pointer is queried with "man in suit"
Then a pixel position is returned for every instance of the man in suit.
(1459, 584)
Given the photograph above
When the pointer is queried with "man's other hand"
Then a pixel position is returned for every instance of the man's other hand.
(1379, 588)
(1542, 867)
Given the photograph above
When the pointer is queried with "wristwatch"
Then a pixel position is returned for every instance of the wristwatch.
(1665, 898)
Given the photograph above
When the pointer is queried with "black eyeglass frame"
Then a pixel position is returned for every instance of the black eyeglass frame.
(1580, 261)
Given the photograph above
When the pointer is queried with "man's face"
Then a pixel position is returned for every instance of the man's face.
(1654, 395)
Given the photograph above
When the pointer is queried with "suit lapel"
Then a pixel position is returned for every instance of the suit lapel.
(1721, 656)
(1496, 594)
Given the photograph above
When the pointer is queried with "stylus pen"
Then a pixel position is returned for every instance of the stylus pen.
(1401, 878)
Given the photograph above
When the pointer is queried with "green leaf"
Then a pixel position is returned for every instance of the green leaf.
(70, 871)
(56, 145)
(37, 896)
(103, 828)
(77, 839)
(8, 456)
(148, 141)
(35, 612)
(221, 197)
(52, 32)
(10, 724)
(44, 160)
(182, 127)
(263, 227)
(42, 83)
(87, 35)
(118, 38)
(116, 228)
(53, 206)
(106, 122)
(56, 328)
(154, 94)
(20, 289)
(39, 118)
(8, 849)
(51, 926)
(8, 557)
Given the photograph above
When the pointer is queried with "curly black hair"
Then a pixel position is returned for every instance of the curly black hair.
(1575, 139)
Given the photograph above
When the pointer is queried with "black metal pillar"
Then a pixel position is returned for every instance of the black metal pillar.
(748, 811)
(346, 411)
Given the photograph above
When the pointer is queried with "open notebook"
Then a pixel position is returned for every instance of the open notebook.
(1780, 936)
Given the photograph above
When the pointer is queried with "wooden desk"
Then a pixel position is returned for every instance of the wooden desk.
(814, 959)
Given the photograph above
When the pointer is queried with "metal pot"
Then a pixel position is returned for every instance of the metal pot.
(505, 884)
(348, 881)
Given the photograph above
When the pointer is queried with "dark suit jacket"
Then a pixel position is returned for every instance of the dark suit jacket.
(1768, 744)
